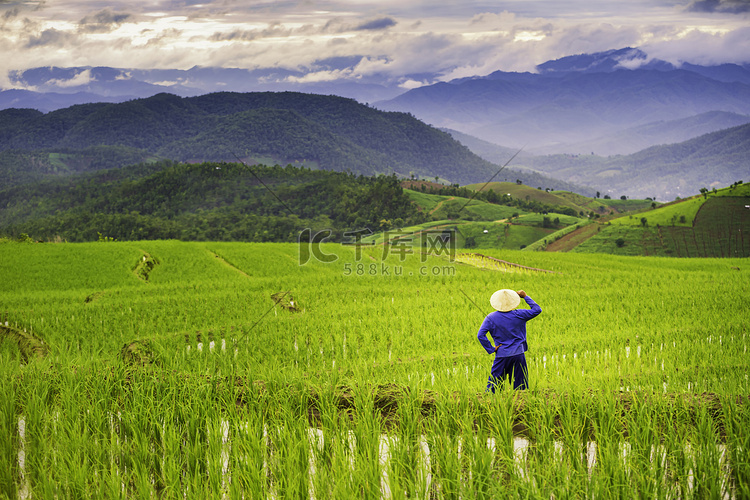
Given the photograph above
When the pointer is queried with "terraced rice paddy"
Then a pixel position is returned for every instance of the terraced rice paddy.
(223, 370)
(715, 226)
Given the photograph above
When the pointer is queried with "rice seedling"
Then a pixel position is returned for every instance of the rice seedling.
(199, 382)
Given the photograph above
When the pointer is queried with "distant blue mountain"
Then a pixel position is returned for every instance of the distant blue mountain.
(712, 160)
(50, 101)
(50, 88)
(577, 100)
(723, 73)
(87, 84)
(603, 62)
(631, 58)
(101, 81)
(660, 132)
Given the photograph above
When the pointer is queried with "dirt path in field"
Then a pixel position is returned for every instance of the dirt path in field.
(510, 264)
(228, 264)
(440, 204)
(572, 240)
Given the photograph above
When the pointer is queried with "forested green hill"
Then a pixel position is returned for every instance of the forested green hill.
(726, 150)
(326, 132)
(231, 201)
(208, 201)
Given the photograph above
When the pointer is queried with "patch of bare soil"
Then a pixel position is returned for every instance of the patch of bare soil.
(138, 353)
(440, 204)
(572, 240)
(144, 266)
(385, 400)
(29, 344)
(417, 184)
(286, 300)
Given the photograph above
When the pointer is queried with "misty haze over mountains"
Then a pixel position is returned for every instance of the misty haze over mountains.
(588, 103)
(618, 102)
(51, 88)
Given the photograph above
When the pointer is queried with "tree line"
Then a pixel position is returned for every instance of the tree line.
(208, 201)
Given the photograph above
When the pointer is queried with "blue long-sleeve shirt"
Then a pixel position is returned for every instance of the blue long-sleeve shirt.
(507, 329)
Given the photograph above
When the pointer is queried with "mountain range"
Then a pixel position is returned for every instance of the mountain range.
(576, 104)
(320, 132)
(599, 120)
(587, 103)
(612, 102)
(50, 88)
(666, 172)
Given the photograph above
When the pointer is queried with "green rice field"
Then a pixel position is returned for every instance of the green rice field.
(165, 369)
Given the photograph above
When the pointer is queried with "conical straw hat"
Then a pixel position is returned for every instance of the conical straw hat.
(505, 300)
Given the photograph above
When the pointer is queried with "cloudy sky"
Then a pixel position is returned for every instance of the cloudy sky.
(392, 39)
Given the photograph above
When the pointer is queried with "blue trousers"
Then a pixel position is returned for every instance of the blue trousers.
(511, 368)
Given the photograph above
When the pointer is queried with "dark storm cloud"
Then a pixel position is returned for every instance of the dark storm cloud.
(725, 6)
(277, 30)
(102, 22)
(10, 13)
(12, 8)
(164, 38)
(271, 31)
(377, 24)
(51, 37)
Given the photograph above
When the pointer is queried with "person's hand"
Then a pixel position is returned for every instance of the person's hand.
(521, 293)
(497, 347)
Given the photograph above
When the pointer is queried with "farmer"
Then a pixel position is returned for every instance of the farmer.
(507, 326)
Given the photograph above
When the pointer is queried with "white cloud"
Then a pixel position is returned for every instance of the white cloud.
(700, 46)
(411, 84)
(82, 78)
(320, 76)
(167, 83)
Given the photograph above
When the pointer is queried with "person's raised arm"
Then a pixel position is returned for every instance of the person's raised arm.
(535, 309)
